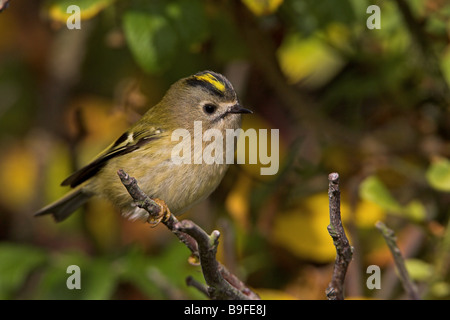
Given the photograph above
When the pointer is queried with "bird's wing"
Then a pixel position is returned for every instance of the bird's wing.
(126, 143)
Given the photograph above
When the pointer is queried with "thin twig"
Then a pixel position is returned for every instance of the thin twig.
(221, 284)
(191, 282)
(218, 287)
(391, 241)
(344, 251)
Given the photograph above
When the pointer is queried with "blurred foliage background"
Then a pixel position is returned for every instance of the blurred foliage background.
(372, 105)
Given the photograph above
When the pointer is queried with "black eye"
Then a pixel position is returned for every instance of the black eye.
(209, 108)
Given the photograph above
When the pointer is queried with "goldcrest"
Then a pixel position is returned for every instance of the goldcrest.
(145, 152)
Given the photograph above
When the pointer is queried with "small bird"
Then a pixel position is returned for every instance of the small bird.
(145, 152)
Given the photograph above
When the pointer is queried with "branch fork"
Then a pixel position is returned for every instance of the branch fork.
(221, 284)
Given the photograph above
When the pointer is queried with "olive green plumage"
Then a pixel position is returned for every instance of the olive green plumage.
(144, 151)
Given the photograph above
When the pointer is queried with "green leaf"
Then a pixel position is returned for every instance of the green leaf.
(372, 189)
(170, 268)
(308, 16)
(151, 38)
(189, 20)
(319, 63)
(440, 289)
(415, 210)
(438, 174)
(53, 280)
(132, 269)
(16, 263)
(98, 279)
(418, 269)
(227, 43)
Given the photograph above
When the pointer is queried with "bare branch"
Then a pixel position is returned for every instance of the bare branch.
(221, 284)
(344, 251)
(199, 286)
(391, 241)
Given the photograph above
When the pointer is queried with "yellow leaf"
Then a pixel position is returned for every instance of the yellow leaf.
(303, 229)
(419, 270)
(367, 213)
(262, 7)
(438, 174)
(58, 167)
(237, 202)
(18, 176)
(57, 9)
(309, 60)
(440, 289)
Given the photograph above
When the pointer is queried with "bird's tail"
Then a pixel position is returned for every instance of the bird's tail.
(64, 207)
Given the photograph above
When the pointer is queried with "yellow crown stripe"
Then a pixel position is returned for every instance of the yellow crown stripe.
(212, 80)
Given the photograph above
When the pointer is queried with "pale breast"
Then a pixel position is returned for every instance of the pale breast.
(179, 185)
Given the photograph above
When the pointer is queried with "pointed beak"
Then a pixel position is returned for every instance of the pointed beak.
(237, 108)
